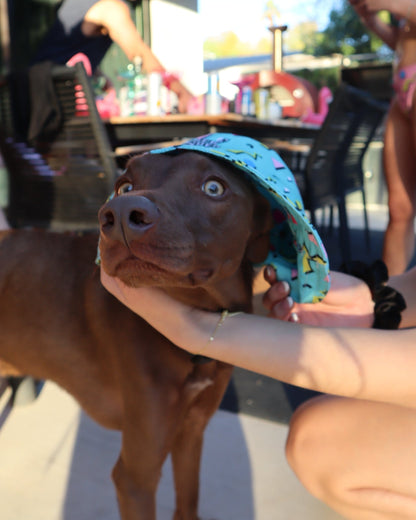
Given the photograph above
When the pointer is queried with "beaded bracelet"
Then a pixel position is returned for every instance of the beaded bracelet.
(200, 359)
(388, 303)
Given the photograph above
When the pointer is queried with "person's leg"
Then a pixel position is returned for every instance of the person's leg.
(3, 221)
(4, 195)
(400, 174)
(359, 457)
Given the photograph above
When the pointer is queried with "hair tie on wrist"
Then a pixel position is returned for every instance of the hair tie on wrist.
(388, 303)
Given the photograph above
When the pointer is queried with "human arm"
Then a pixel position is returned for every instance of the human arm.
(406, 285)
(399, 8)
(361, 363)
(113, 17)
(367, 10)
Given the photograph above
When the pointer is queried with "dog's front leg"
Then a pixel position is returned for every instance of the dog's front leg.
(187, 448)
(136, 492)
(148, 433)
(186, 461)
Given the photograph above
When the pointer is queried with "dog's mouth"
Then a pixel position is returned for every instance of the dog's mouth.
(138, 272)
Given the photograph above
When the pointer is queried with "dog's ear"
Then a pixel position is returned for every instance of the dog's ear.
(258, 245)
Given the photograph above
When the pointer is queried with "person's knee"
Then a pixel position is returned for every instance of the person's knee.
(401, 211)
(309, 447)
(302, 445)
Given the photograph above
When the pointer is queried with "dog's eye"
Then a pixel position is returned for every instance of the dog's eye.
(124, 188)
(213, 188)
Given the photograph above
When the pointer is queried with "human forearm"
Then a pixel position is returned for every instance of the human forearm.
(132, 45)
(113, 16)
(387, 33)
(367, 11)
(363, 364)
(406, 284)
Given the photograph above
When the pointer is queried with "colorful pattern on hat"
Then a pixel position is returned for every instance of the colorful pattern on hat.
(296, 250)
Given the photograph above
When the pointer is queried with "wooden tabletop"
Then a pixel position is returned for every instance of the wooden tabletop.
(132, 130)
(220, 119)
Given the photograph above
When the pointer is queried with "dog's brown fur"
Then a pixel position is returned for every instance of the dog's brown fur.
(164, 228)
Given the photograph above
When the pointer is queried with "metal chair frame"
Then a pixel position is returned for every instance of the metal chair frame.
(334, 166)
(58, 181)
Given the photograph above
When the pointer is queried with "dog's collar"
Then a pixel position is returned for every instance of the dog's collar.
(296, 250)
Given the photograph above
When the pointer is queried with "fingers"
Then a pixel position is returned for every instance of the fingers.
(270, 274)
(278, 301)
(278, 291)
(283, 310)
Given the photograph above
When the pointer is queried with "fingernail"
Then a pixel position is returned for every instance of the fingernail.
(286, 287)
(270, 270)
(294, 317)
(290, 301)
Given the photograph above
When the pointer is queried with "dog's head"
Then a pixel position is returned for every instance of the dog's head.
(296, 249)
(187, 223)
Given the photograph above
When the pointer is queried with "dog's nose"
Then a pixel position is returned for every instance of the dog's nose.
(127, 217)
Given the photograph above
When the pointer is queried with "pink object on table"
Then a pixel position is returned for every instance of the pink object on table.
(80, 57)
(245, 81)
(108, 105)
(324, 99)
(196, 106)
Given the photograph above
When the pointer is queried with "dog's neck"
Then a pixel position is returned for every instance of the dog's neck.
(234, 293)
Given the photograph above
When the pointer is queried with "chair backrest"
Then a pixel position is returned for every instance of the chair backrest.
(6, 116)
(370, 117)
(334, 165)
(63, 172)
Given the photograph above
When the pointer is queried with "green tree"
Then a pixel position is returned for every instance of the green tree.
(346, 34)
(228, 44)
(302, 38)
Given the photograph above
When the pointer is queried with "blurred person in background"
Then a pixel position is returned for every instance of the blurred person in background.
(400, 132)
(90, 27)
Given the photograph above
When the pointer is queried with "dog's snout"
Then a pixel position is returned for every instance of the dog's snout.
(127, 217)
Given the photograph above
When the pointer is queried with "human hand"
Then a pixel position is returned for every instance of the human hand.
(366, 17)
(369, 8)
(348, 303)
(183, 325)
(144, 301)
(184, 98)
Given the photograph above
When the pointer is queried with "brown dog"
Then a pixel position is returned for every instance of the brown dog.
(185, 223)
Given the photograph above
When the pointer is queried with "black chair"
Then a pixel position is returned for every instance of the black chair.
(60, 163)
(334, 165)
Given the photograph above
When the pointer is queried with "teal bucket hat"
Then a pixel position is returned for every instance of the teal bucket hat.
(296, 250)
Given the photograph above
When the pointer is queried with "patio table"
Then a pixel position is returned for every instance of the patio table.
(136, 130)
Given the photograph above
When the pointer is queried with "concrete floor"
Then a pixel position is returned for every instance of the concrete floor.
(56, 464)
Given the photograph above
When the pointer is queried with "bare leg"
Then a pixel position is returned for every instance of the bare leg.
(400, 173)
(357, 456)
(3, 221)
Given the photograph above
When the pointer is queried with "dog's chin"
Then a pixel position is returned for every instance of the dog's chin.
(136, 273)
